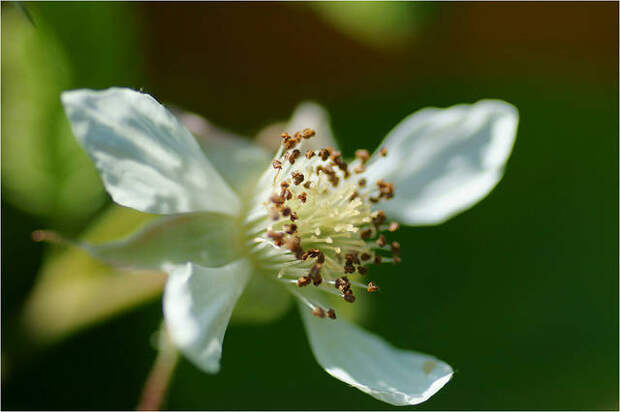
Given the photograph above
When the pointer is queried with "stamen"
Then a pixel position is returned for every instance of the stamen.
(312, 224)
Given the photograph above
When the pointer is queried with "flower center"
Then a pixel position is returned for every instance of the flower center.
(313, 223)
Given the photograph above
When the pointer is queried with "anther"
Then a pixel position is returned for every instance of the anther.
(276, 164)
(394, 226)
(372, 287)
(309, 154)
(286, 211)
(349, 297)
(362, 270)
(293, 216)
(324, 154)
(342, 284)
(303, 281)
(298, 178)
(366, 234)
(303, 197)
(284, 185)
(307, 133)
(381, 241)
(365, 256)
(276, 236)
(276, 199)
(378, 218)
(395, 247)
(293, 155)
(307, 184)
(383, 152)
(361, 182)
(318, 312)
(377, 260)
(290, 229)
(363, 155)
(331, 314)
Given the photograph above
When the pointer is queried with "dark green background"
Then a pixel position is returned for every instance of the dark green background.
(519, 294)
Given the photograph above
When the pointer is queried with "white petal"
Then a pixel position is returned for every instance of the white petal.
(371, 364)
(311, 115)
(238, 160)
(443, 161)
(148, 161)
(208, 239)
(198, 302)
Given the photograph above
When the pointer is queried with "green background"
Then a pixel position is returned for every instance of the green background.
(518, 294)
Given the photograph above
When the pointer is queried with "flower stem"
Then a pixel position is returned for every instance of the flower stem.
(158, 380)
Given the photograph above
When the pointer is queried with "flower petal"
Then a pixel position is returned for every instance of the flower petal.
(198, 302)
(239, 161)
(443, 161)
(148, 161)
(372, 365)
(311, 115)
(208, 239)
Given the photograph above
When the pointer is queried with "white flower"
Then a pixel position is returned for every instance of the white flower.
(310, 224)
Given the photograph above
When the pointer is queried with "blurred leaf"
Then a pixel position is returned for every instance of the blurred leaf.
(381, 24)
(44, 170)
(74, 290)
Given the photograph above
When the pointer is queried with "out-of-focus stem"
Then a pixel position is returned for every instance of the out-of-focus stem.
(158, 380)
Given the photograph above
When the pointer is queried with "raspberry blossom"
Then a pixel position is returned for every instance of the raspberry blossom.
(311, 224)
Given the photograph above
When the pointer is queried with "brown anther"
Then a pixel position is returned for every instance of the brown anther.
(349, 268)
(335, 155)
(373, 199)
(297, 178)
(311, 253)
(309, 154)
(274, 214)
(285, 136)
(284, 185)
(293, 243)
(349, 297)
(293, 155)
(366, 234)
(320, 258)
(372, 287)
(362, 270)
(394, 226)
(353, 257)
(307, 184)
(378, 218)
(324, 154)
(397, 259)
(315, 274)
(361, 182)
(303, 197)
(276, 164)
(386, 189)
(342, 284)
(395, 248)
(293, 216)
(377, 260)
(290, 229)
(286, 211)
(383, 152)
(359, 169)
(303, 281)
(307, 133)
(363, 155)
(276, 236)
(353, 196)
(331, 314)
(276, 199)
(365, 256)
(318, 312)
(381, 241)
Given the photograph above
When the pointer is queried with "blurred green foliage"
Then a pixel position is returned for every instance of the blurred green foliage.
(519, 294)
